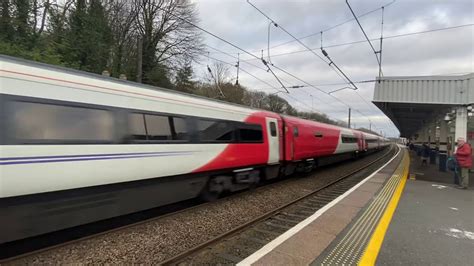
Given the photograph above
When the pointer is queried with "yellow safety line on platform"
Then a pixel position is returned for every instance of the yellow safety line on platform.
(373, 248)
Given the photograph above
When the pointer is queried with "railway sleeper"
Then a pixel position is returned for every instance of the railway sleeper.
(302, 217)
(285, 219)
(263, 231)
(255, 240)
(229, 257)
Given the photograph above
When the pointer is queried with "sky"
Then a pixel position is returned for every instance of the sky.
(434, 53)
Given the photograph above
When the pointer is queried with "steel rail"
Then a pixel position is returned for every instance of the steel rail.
(188, 253)
(152, 219)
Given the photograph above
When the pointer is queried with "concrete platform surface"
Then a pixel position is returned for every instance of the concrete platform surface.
(306, 241)
(432, 225)
(430, 172)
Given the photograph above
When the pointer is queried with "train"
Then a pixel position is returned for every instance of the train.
(77, 147)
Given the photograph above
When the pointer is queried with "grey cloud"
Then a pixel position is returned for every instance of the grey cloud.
(433, 53)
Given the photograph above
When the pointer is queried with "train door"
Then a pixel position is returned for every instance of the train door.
(360, 141)
(273, 140)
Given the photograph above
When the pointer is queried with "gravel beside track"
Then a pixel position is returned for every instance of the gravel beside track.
(159, 239)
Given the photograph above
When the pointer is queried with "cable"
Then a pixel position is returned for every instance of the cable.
(283, 29)
(271, 86)
(363, 31)
(318, 89)
(330, 63)
(335, 26)
(229, 43)
(295, 77)
(255, 77)
(373, 39)
(288, 73)
(243, 50)
(230, 55)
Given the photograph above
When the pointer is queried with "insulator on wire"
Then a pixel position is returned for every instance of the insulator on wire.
(324, 52)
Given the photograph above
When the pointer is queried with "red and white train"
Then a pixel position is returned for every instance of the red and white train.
(77, 147)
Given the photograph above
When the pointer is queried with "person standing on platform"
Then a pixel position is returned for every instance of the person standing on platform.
(464, 157)
(425, 154)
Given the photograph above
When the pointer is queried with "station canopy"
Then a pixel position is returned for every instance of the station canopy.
(410, 102)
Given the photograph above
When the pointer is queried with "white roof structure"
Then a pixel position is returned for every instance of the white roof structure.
(426, 89)
(411, 101)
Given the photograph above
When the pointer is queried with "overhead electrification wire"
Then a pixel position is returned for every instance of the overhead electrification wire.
(300, 42)
(284, 30)
(320, 90)
(365, 34)
(297, 86)
(229, 43)
(257, 78)
(270, 86)
(286, 72)
(373, 39)
(259, 67)
(334, 26)
(330, 63)
(252, 55)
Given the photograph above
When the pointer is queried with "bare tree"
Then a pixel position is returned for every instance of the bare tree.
(167, 37)
(58, 14)
(218, 73)
(122, 14)
(255, 99)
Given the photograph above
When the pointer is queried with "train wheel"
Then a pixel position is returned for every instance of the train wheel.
(214, 188)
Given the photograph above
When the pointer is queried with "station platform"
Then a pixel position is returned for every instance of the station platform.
(386, 219)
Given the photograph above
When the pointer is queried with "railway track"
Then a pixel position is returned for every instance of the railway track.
(281, 221)
(233, 246)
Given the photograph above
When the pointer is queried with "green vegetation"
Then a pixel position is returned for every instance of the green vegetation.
(140, 40)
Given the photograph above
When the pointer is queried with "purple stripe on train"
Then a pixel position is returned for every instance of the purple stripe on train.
(95, 158)
(86, 155)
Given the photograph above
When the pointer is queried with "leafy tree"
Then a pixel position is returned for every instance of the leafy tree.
(6, 23)
(97, 35)
(159, 76)
(275, 103)
(87, 40)
(183, 80)
(21, 21)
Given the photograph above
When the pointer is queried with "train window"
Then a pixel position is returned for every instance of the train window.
(348, 139)
(47, 123)
(158, 127)
(136, 124)
(180, 131)
(273, 129)
(295, 132)
(250, 133)
(215, 131)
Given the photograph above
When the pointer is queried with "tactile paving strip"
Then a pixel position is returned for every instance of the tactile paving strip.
(350, 248)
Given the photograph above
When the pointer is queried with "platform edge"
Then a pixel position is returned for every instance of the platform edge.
(373, 248)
